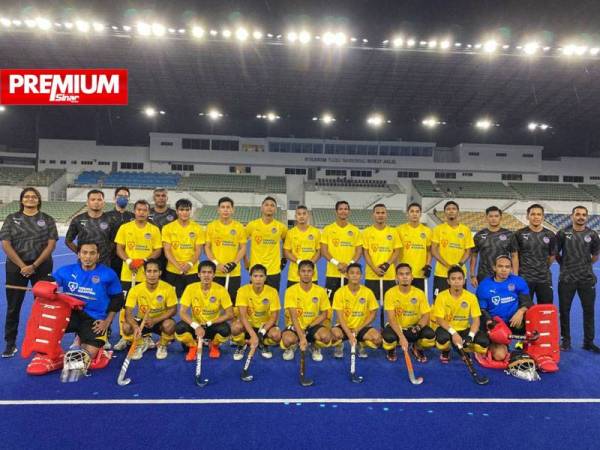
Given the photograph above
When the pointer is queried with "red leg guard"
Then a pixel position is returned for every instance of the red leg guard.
(490, 363)
(101, 360)
(500, 334)
(544, 320)
(42, 364)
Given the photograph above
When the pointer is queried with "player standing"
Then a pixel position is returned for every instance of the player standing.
(117, 217)
(302, 242)
(416, 246)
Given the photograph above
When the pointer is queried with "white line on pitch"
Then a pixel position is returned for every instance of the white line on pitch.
(234, 401)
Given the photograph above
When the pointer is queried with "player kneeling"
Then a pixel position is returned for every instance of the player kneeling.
(407, 312)
(157, 302)
(94, 297)
(457, 314)
(210, 306)
(259, 308)
(355, 307)
(306, 308)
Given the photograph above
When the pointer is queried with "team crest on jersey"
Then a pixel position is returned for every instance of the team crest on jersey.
(147, 236)
(389, 237)
(464, 305)
(41, 223)
(546, 240)
(315, 300)
(159, 298)
(265, 301)
(413, 301)
(502, 237)
(95, 279)
(72, 285)
(273, 230)
(192, 235)
(311, 237)
(511, 287)
(350, 233)
(588, 239)
(362, 300)
(103, 226)
(212, 299)
(232, 232)
(461, 236)
(336, 242)
(423, 236)
(170, 218)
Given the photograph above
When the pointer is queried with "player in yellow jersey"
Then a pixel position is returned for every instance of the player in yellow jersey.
(306, 308)
(266, 236)
(226, 246)
(381, 247)
(157, 298)
(136, 241)
(302, 242)
(407, 311)
(205, 308)
(341, 244)
(355, 307)
(183, 240)
(259, 308)
(416, 246)
(457, 314)
(451, 245)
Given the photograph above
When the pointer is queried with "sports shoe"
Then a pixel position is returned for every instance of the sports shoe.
(445, 357)
(213, 351)
(418, 353)
(391, 355)
(288, 354)
(121, 345)
(140, 350)
(565, 345)
(148, 339)
(362, 351)
(107, 346)
(191, 354)
(339, 351)
(10, 350)
(591, 347)
(161, 352)
(265, 352)
(316, 354)
(239, 353)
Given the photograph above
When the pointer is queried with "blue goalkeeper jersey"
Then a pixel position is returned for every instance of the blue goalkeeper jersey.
(501, 298)
(97, 285)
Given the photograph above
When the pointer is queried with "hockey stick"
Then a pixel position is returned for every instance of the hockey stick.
(381, 319)
(409, 368)
(353, 377)
(520, 337)
(198, 374)
(245, 374)
(481, 380)
(426, 288)
(72, 294)
(227, 282)
(303, 380)
(121, 380)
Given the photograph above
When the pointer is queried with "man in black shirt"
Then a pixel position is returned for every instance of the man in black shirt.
(490, 243)
(160, 213)
(536, 246)
(92, 226)
(117, 217)
(578, 250)
(28, 238)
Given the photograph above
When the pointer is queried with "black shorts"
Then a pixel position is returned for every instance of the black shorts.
(389, 335)
(291, 283)
(360, 336)
(309, 332)
(247, 335)
(439, 284)
(210, 332)
(419, 283)
(332, 284)
(156, 328)
(234, 285)
(179, 282)
(374, 286)
(274, 281)
(82, 324)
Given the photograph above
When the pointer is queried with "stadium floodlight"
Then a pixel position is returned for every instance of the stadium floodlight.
(5, 22)
(490, 46)
(115, 28)
(376, 120)
(2, 108)
(126, 28)
(197, 31)
(98, 27)
(431, 122)
(269, 117)
(172, 30)
(226, 33)
(304, 37)
(328, 38)
(292, 36)
(214, 114)
(423, 43)
(150, 111)
(594, 51)
(569, 49)
(531, 48)
(213, 32)
(30, 23)
(458, 44)
(144, 29)
(43, 23)
(241, 34)
(581, 50)
(83, 26)
(158, 29)
(445, 44)
(17, 23)
(365, 41)
(257, 35)
(327, 119)
(533, 126)
(340, 39)
(411, 42)
(385, 42)
(161, 112)
(398, 41)
(181, 31)
(432, 44)
(483, 124)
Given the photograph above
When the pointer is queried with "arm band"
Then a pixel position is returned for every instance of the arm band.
(334, 261)
(208, 324)
(128, 261)
(194, 325)
(452, 331)
(116, 303)
(471, 334)
(351, 261)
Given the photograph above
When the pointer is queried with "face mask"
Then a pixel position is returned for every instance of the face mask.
(122, 201)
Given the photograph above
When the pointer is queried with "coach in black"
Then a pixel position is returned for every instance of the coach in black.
(536, 246)
(161, 215)
(578, 250)
(92, 226)
(118, 217)
(490, 243)
(28, 238)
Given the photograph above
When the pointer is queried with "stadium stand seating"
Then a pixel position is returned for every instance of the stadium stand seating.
(14, 175)
(427, 189)
(551, 191)
(141, 179)
(362, 218)
(226, 183)
(363, 185)
(275, 185)
(560, 221)
(592, 189)
(475, 189)
(61, 211)
(89, 178)
(8, 208)
(44, 178)
(243, 214)
(476, 220)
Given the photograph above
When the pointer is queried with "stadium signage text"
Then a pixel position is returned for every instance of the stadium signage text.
(350, 160)
(63, 87)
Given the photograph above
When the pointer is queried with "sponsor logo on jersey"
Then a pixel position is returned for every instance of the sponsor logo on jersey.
(175, 244)
(41, 223)
(444, 243)
(336, 242)
(95, 279)
(130, 245)
(496, 300)
(147, 236)
(72, 285)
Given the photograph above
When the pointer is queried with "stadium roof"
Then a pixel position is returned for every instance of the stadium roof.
(184, 76)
